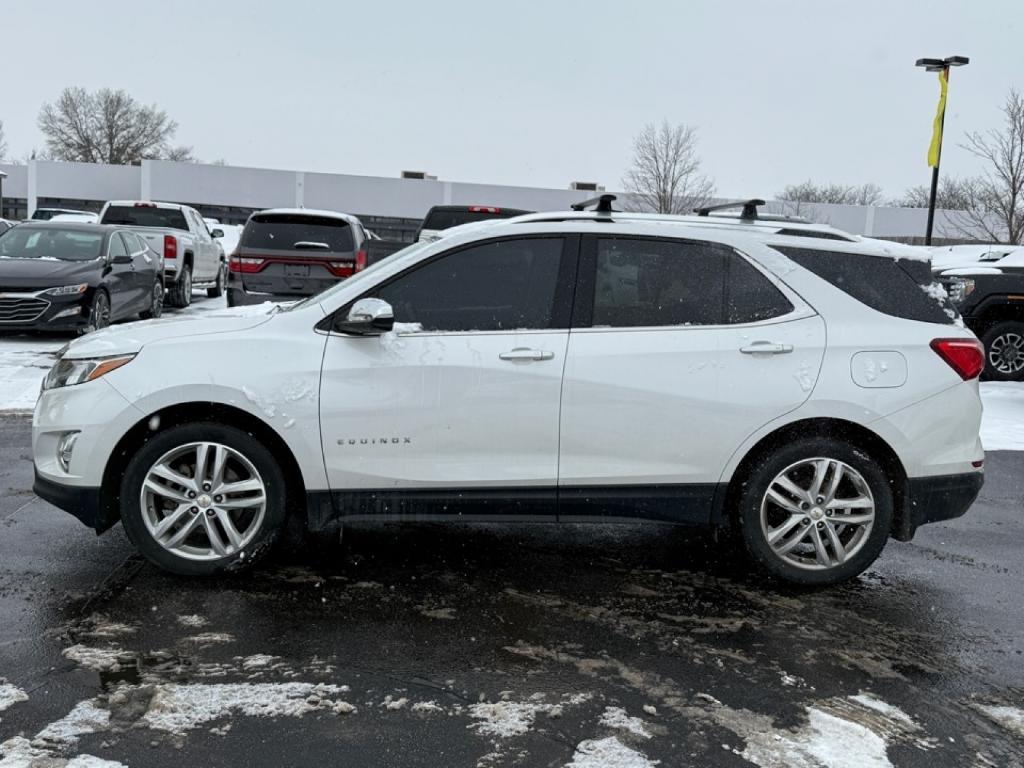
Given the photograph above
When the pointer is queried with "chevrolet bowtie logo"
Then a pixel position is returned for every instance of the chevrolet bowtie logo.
(374, 440)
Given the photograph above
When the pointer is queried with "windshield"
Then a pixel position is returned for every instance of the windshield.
(360, 277)
(62, 244)
(144, 216)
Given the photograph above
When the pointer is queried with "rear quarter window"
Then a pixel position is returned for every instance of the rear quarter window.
(897, 287)
(298, 233)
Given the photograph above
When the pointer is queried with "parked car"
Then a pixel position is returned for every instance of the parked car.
(987, 288)
(82, 218)
(289, 253)
(442, 217)
(45, 214)
(674, 369)
(57, 276)
(192, 256)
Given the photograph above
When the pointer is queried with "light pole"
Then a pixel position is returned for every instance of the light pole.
(935, 150)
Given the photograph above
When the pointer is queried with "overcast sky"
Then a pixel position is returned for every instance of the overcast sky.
(533, 94)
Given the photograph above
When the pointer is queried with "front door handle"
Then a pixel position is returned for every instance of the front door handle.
(766, 348)
(525, 353)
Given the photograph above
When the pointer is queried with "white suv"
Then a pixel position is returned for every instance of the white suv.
(807, 390)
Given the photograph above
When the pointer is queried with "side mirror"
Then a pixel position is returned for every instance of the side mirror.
(124, 258)
(368, 317)
(217, 233)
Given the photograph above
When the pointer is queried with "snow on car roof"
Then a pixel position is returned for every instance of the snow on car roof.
(348, 217)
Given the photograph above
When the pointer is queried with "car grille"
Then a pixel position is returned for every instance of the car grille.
(21, 309)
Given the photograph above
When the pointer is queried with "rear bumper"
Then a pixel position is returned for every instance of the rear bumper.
(933, 499)
(82, 503)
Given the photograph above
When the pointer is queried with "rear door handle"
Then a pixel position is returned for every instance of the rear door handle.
(766, 348)
(525, 353)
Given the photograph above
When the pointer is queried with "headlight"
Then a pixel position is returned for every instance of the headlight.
(959, 288)
(68, 372)
(68, 290)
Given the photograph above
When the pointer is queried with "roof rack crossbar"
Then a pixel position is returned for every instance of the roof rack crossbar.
(603, 203)
(749, 208)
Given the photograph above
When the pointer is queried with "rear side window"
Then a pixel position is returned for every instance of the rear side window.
(132, 216)
(298, 233)
(651, 283)
(901, 288)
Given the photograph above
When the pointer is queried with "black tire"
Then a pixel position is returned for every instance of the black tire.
(761, 476)
(99, 313)
(231, 297)
(156, 304)
(264, 535)
(180, 294)
(218, 288)
(1004, 351)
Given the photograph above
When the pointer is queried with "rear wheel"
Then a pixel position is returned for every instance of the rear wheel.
(180, 294)
(156, 301)
(218, 287)
(1004, 351)
(816, 512)
(202, 499)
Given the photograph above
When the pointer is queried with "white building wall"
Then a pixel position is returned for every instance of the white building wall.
(231, 186)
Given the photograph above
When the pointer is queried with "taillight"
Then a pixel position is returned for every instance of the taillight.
(341, 268)
(484, 209)
(145, 205)
(170, 247)
(245, 264)
(360, 261)
(965, 356)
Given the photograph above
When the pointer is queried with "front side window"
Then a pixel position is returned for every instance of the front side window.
(498, 286)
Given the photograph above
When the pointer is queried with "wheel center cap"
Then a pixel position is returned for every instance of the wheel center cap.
(204, 500)
(816, 514)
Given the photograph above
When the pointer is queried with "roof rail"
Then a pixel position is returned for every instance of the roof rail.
(749, 208)
(603, 203)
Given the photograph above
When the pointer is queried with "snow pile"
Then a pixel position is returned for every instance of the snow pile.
(86, 717)
(1010, 718)
(505, 719)
(826, 740)
(608, 753)
(193, 620)
(1002, 424)
(19, 752)
(616, 717)
(99, 659)
(10, 695)
(177, 708)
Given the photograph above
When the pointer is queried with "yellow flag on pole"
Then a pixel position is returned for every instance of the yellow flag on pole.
(940, 114)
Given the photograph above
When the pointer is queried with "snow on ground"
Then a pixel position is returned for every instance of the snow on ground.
(608, 753)
(10, 695)
(1002, 425)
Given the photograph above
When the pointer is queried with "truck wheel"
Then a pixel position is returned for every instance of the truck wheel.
(218, 288)
(1004, 351)
(180, 294)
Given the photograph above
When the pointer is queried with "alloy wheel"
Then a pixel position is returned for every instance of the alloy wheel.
(157, 307)
(99, 316)
(1006, 353)
(817, 513)
(203, 501)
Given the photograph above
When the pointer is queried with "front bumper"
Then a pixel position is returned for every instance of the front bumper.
(83, 503)
(60, 313)
(933, 499)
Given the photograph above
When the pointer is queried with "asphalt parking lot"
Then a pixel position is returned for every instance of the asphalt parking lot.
(428, 645)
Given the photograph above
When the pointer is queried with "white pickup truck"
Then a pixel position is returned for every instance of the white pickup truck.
(192, 256)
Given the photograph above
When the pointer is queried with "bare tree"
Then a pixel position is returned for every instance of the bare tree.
(841, 194)
(107, 127)
(953, 195)
(3, 143)
(665, 176)
(996, 211)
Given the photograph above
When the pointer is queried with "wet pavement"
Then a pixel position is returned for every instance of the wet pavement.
(498, 645)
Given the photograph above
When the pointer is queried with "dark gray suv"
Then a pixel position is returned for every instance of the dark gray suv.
(288, 253)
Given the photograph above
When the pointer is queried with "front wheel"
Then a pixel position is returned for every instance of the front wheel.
(202, 499)
(99, 313)
(1004, 351)
(816, 512)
